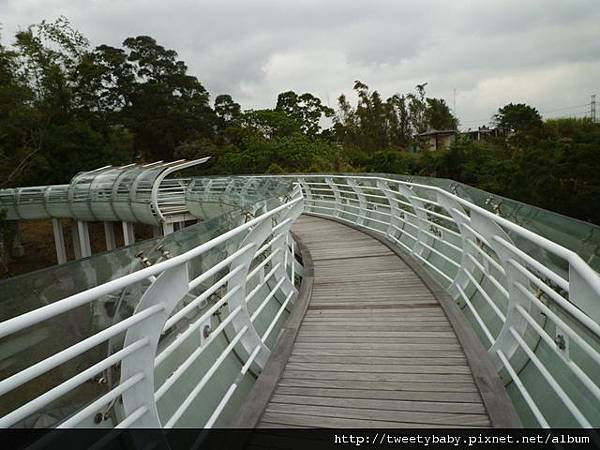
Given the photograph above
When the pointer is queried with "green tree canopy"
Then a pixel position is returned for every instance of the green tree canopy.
(306, 109)
(439, 116)
(518, 117)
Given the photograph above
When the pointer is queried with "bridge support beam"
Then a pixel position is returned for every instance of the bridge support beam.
(59, 241)
(83, 232)
(128, 233)
(168, 228)
(17, 246)
(109, 234)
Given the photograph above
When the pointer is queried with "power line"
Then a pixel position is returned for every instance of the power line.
(564, 108)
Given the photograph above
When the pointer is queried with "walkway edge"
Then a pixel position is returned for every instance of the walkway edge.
(498, 404)
(260, 394)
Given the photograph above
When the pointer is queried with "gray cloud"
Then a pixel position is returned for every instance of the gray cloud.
(544, 52)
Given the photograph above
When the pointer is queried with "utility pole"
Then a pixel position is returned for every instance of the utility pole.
(454, 102)
(593, 108)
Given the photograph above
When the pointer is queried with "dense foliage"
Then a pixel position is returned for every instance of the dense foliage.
(66, 107)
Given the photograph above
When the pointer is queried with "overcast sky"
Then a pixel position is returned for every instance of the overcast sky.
(542, 52)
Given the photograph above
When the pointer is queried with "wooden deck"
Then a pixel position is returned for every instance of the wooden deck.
(374, 348)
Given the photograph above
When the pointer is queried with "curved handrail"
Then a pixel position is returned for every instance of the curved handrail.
(539, 322)
(242, 281)
(536, 323)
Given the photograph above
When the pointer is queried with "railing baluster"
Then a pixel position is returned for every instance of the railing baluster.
(168, 289)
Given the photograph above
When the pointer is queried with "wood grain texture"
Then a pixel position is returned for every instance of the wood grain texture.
(374, 348)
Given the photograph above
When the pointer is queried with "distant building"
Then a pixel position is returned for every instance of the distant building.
(436, 139)
(481, 133)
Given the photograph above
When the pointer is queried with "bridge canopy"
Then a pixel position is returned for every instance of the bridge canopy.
(132, 193)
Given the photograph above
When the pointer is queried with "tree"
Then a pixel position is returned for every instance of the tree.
(269, 123)
(226, 109)
(518, 118)
(367, 125)
(438, 115)
(306, 109)
(376, 124)
(166, 106)
(417, 108)
(399, 121)
(48, 133)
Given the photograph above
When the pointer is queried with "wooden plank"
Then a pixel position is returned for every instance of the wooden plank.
(369, 319)
(380, 385)
(364, 306)
(381, 404)
(385, 334)
(369, 376)
(374, 340)
(382, 326)
(374, 347)
(375, 394)
(375, 360)
(385, 353)
(378, 368)
(432, 418)
(375, 312)
(314, 421)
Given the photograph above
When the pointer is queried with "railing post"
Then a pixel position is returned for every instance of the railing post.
(307, 194)
(109, 235)
(168, 289)
(505, 341)
(336, 195)
(251, 339)
(281, 257)
(394, 224)
(583, 295)
(59, 241)
(461, 219)
(362, 201)
(421, 221)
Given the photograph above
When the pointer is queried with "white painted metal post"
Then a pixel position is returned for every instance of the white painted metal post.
(505, 340)
(394, 222)
(59, 241)
(167, 228)
(310, 205)
(362, 201)
(421, 221)
(461, 219)
(168, 289)
(287, 287)
(84, 239)
(583, 295)
(75, 237)
(109, 234)
(251, 339)
(128, 233)
(336, 195)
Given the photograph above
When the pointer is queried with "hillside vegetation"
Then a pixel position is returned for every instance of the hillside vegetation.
(66, 106)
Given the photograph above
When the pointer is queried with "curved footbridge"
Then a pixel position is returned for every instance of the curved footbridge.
(299, 301)
(373, 342)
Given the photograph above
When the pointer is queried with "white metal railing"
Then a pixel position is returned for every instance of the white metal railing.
(187, 326)
(541, 328)
(534, 304)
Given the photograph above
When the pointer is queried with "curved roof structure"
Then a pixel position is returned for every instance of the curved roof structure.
(132, 193)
